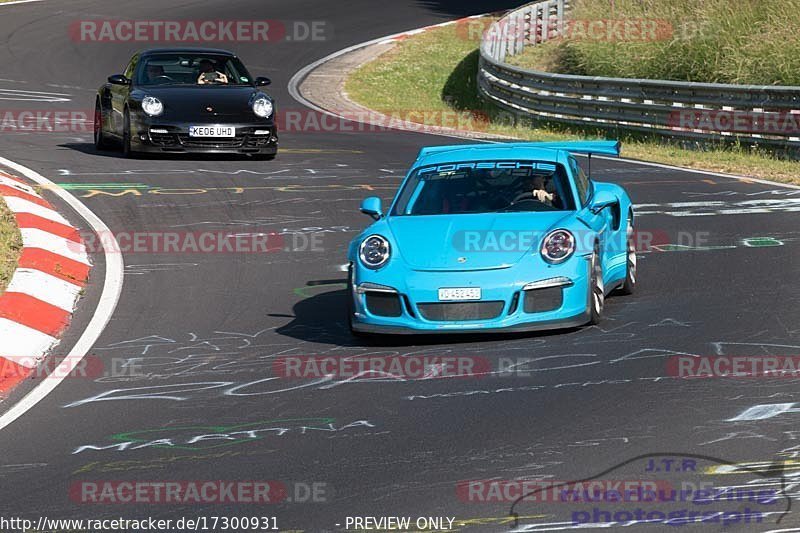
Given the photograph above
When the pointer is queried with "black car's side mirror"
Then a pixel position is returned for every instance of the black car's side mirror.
(118, 79)
(262, 81)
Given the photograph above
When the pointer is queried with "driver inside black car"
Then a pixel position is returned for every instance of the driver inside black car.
(154, 72)
(208, 75)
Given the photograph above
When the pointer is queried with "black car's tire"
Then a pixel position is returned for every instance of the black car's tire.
(629, 286)
(264, 157)
(351, 306)
(126, 135)
(100, 141)
(596, 289)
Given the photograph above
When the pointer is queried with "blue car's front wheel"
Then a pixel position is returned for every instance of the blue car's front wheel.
(351, 305)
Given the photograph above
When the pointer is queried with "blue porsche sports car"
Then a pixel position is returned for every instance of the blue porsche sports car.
(493, 237)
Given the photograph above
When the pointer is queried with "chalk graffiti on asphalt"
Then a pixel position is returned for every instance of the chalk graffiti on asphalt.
(194, 438)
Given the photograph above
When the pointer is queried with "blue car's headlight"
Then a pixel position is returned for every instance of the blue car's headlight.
(374, 251)
(152, 106)
(262, 106)
(558, 246)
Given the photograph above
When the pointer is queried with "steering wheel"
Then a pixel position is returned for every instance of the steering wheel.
(162, 79)
(527, 195)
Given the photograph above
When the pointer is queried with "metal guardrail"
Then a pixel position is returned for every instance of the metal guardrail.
(750, 114)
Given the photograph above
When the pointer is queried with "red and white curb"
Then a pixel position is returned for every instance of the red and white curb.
(39, 300)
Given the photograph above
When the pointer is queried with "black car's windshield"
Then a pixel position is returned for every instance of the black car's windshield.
(485, 187)
(191, 69)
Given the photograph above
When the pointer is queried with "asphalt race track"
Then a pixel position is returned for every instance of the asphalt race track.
(201, 330)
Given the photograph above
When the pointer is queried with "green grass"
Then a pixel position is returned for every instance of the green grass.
(720, 41)
(10, 245)
(436, 70)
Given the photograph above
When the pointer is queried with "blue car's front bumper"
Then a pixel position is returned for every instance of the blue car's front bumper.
(410, 303)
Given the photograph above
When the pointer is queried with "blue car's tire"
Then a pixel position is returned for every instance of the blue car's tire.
(597, 295)
(629, 286)
(351, 308)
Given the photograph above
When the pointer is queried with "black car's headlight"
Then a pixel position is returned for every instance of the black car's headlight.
(374, 251)
(152, 106)
(558, 246)
(262, 106)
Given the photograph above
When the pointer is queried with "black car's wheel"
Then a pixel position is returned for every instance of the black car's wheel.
(597, 296)
(100, 141)
(630, 275)
(126, 135)
(264, 157)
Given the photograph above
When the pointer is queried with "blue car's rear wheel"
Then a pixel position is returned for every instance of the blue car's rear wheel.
(597, 296)
(630, 275)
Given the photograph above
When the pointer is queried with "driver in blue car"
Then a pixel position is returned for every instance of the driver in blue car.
(536, 189)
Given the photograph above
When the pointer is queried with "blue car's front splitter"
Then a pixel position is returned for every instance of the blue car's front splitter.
(418, 311)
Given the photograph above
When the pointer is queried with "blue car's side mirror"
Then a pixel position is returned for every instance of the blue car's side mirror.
(372, 206)
(602, 199)
(262, 82)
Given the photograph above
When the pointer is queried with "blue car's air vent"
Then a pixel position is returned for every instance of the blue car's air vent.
(384, 304)
(442, 312)
(541, 300)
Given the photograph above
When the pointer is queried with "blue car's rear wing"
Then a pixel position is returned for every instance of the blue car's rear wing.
(609, 148)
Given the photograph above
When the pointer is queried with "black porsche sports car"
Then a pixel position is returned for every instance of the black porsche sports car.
(186, 100)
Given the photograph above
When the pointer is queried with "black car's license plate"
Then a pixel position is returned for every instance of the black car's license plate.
(212, 131)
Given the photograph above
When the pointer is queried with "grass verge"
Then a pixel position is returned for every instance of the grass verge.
(717, 41)
(10, 245)
(436, 71)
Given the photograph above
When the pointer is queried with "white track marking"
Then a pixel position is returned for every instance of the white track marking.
(45, 287)
(20, 341)
(18, 185)
(112, 287)
(19, 2)
(21, 205)
(36, 238)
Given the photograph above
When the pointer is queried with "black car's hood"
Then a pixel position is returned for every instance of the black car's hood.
(192, 102)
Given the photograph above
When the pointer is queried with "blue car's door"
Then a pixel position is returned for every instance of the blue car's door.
(609, 224)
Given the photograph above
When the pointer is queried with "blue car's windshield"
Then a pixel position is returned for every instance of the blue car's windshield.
(485, 187)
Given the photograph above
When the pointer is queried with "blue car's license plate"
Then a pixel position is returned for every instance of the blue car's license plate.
(460, 293)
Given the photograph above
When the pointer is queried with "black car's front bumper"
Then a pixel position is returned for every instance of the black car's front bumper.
(256, 139)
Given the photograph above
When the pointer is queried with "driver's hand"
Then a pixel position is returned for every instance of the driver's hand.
(542, 195)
